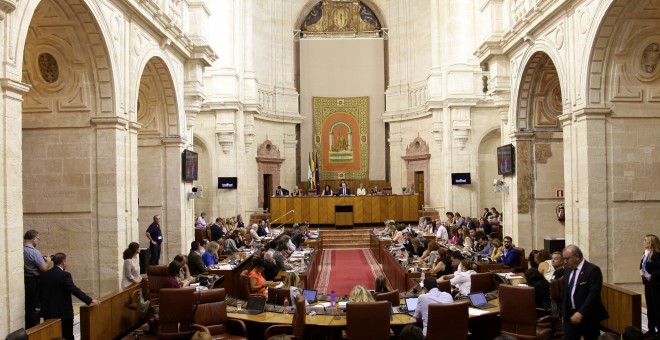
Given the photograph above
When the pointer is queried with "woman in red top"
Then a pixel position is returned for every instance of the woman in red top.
(257, 282)
(174, 270)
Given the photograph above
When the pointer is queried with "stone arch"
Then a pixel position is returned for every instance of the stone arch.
(417, 160)
(309, 5)
(526, 80)
(269, 163)
(70, 129)
(156, 93)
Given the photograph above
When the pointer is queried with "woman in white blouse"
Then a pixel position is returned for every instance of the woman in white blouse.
(462, 279)
(131, 265)
(361, 191)
(544, 259)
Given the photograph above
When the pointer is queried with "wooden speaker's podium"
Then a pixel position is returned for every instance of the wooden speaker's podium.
(344, 216)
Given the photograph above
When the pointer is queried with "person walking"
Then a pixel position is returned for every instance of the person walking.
(56, 286)
(650, 272)
(155, 236)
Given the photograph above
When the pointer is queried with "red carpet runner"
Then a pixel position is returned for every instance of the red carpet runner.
(341, 270)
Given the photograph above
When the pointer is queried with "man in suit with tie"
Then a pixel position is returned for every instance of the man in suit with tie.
(56, 287)
(344, 190)
(582, 307)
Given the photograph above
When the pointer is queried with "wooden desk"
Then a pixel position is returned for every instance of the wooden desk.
(49, 329)
(624, 307)
(111, 318)
(376, 245)
(484, 267)
(232, 277)
(366, 209)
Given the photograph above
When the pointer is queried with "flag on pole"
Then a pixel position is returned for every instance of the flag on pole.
(310, 174)
(316, 172)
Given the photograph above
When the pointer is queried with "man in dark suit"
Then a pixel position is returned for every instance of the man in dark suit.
(56, 287)
(582, 307)
(195, 262)
(344, 190)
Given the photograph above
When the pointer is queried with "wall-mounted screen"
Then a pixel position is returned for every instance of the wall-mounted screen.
(460, 178)
(189, 161)
(227, 182)
(506, 160)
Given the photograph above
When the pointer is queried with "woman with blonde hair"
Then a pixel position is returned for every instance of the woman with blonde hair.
(496, 244)
(292, 281)
(360, 293)
(649, 269)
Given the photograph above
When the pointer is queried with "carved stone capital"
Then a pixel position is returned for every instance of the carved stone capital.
(461, 136)
(225, 139)
(6, 7)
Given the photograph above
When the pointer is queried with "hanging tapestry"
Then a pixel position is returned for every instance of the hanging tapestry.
(341, 131)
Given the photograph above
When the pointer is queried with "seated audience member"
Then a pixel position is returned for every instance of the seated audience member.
(297, 237)
(270, 267)
(486, 248)
(461, 279)
(531, 259)
(296, 191)
(460, 220)
(217, 232)
(430, 253)
(545, 267)
(450, 218)
(470, 223)
(290, 247)
(279, 258)
(262, 230)
(375, 190)
(441, 235)
(344, 190)
(453, 234)
(381, 285)
(510, 256)
(240, 238)
(292, 281)
(443, 264)
(173, 270)
(418, 247)
(433, 295)
(280, 191)
(211, 256)
(258, 283)
(184, 276)
(361, 190)
(272, 246)
(485, 226)
(399, 237)
(469, 239)
(256, 239)
(541, 286)
(558, 265)
(360, 293)
(203, 246)
(327, 191)
(411, 332)
(230, 243)
(496, 245)
(195, 262)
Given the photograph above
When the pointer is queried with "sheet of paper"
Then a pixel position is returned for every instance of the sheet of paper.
(474, 311)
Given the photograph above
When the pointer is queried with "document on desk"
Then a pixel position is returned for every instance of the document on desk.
(225, 267)
(475, 312)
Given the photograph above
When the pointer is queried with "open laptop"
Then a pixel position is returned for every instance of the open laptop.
(478, 300)
(411, 305)
(255, 305)
(309, 295)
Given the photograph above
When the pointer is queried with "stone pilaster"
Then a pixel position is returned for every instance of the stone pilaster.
(175, 222)
(6, 7)
(11, 228)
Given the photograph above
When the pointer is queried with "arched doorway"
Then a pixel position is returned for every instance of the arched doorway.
(487, 158)
(73, 179)
(539, 152)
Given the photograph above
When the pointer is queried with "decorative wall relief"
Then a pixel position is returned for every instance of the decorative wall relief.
(650, 58)
(348, 18)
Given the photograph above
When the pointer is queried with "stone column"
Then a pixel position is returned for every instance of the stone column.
(520, 191)
(111, 170)
(12, 294)
(177, 217)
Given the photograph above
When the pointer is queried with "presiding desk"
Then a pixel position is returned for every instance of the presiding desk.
(347, 210)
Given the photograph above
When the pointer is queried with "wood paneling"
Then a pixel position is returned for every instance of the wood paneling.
(366, 209)
(49, 329)
(111, 318)
(624, 307)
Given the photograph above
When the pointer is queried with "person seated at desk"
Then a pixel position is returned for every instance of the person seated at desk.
(558, 265)
(541, 287)
(279, 257)
(375, 190)
(257, 282)
(545, 267)
(433, 295)
(381, 285)
(455, 262)
(461, 278)
(256, 239)
(263, 230)
(210, 257)
(443, 263)
(431, 252)
(171, 281)
(297, 237)
(195, 262)
(409, 189)
(510, 256)
(486, 249)
(399, 237)
(230, 243)
(360, 293)
(240, 238)
(281, 191)
(389, 229)
(292, 281)
(361, 190)
(326, 191)
(496, 245)
(344, 190)
(296, 191)
(271, 268)
(441, 234)
(417, 247)
(184, 273)
(217, 232)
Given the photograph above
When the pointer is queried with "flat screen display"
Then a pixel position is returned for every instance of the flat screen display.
(460, 178)
(227, 182)
(189, 162)
(506, 160)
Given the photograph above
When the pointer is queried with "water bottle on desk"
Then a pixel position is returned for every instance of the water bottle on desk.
(333, 299)
(286, 306)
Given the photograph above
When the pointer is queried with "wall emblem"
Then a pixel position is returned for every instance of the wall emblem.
(48, 67)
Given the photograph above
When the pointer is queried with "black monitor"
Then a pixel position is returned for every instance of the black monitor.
(506, 160)
(189, 165)
(227, 182)
(461, 178)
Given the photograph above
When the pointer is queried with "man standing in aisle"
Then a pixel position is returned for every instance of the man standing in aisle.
(582, 307)
(155, 237)
(33, 265)
(56, 287)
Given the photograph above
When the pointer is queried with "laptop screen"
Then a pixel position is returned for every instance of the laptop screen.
(256, 303)
(411, 304)
(309, 295)
(478, 298)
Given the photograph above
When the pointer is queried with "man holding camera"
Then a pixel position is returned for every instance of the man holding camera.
(33, 265)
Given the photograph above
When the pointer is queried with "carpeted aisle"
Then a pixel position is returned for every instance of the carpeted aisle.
(342, 269)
